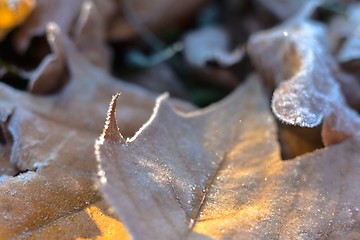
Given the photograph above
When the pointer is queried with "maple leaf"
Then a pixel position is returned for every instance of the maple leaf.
(52, 137)
(218, 173)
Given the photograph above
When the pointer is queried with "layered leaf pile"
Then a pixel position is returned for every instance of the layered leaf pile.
(161, 167)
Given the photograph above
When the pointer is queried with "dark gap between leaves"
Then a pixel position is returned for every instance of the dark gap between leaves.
(19, 172)
(14, 63)
(296, 141)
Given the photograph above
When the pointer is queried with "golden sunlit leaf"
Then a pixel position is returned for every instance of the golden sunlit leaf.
(217, 173)
(92, 222)
(14, 12)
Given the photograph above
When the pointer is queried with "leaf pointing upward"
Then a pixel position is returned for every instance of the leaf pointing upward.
(187, 176)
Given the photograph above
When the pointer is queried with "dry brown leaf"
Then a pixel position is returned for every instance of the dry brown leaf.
(52, 141)
(50, 75)
(87, 27)
(295, 58)
(218, 173)
(89, 36)
(58, 180)
(57, 11)
(155, 15)
(89, 32)
(87, 93)
(46, 11)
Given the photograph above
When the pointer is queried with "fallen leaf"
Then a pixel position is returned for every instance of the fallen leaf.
(293, 57)
(90, 34)
(52, 140)
(87, 93)
(217, 173)
(50, 76)
(57, 179)
(59, 12)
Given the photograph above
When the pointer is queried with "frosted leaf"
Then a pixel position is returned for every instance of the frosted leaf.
(294, 58)
(217, 173)
(53, 138)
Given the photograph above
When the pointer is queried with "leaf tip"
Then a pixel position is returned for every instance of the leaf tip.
(111, 130)
(52, 30)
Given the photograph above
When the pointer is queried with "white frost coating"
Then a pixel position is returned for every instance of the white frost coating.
(309, 93)
(300, 66)
(52, 31)
(100, 141)
(112, 114)
(159, 100)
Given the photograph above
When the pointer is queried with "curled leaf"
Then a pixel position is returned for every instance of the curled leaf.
(294, 57)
